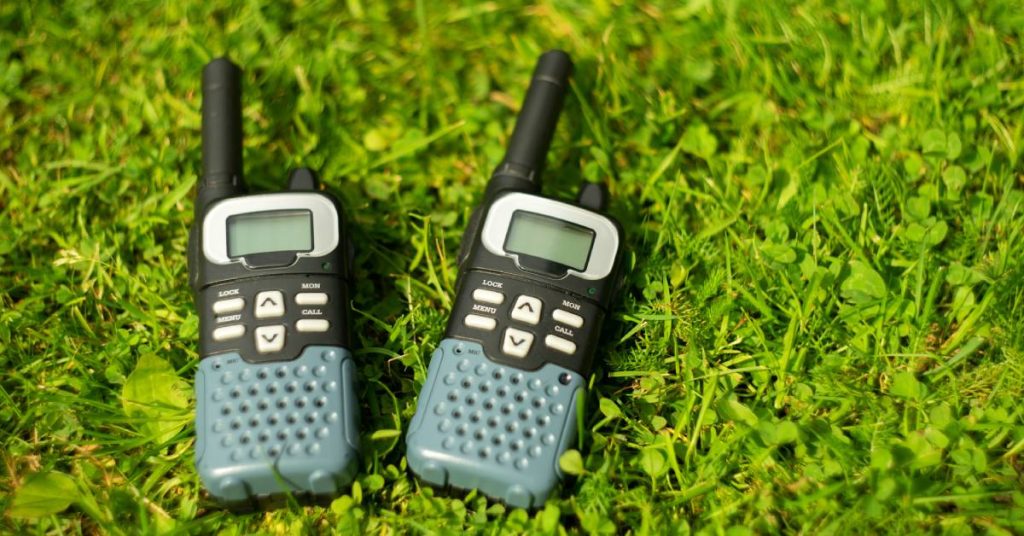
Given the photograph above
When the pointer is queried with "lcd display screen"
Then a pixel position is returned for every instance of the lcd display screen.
(549, 238)
(266, 232)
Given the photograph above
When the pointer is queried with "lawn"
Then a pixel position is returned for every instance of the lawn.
(822, 329)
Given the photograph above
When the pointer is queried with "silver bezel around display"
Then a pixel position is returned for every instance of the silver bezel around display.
(606, 235)
(325, 222)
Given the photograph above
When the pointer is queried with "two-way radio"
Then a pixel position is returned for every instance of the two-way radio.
(536, 280)
(276, 413)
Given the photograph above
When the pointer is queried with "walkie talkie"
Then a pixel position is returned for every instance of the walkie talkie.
(536, 279)
(276, 413)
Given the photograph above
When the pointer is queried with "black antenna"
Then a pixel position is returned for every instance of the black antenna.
(222, 132)
(528, 149)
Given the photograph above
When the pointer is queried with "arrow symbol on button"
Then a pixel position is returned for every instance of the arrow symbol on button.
(527, 305)
(268, 299)
(272, 338)
(515, 342)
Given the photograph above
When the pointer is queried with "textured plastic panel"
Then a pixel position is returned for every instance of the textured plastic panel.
(491, 427)
(276, 428)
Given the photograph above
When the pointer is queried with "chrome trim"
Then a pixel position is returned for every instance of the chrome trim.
(325, 221)
(606, 235)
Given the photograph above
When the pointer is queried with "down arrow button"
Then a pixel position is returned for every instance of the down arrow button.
(517, 342)
(269, 339)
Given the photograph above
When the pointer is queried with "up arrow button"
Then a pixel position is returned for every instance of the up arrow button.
(270, 304)
(527, 309)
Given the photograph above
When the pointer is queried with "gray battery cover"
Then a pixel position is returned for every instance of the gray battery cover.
(498, 429)
(276, 428)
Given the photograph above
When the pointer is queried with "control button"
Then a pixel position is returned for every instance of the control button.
(269, 339)
(565, 317)
(527, 309)
(480, 322)
(488, 296)
(227, 333)
(232, 305)
(560, 344)
(517, 342)
(310, 298)
(269, 304)
(316, 325)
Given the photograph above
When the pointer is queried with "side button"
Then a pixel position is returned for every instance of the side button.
(560, 344)
(485, 323)
(227, 333)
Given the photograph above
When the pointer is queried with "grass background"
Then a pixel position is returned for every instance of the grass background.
(822, 327)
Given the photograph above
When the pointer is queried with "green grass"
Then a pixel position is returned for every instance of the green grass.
(823, 325)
